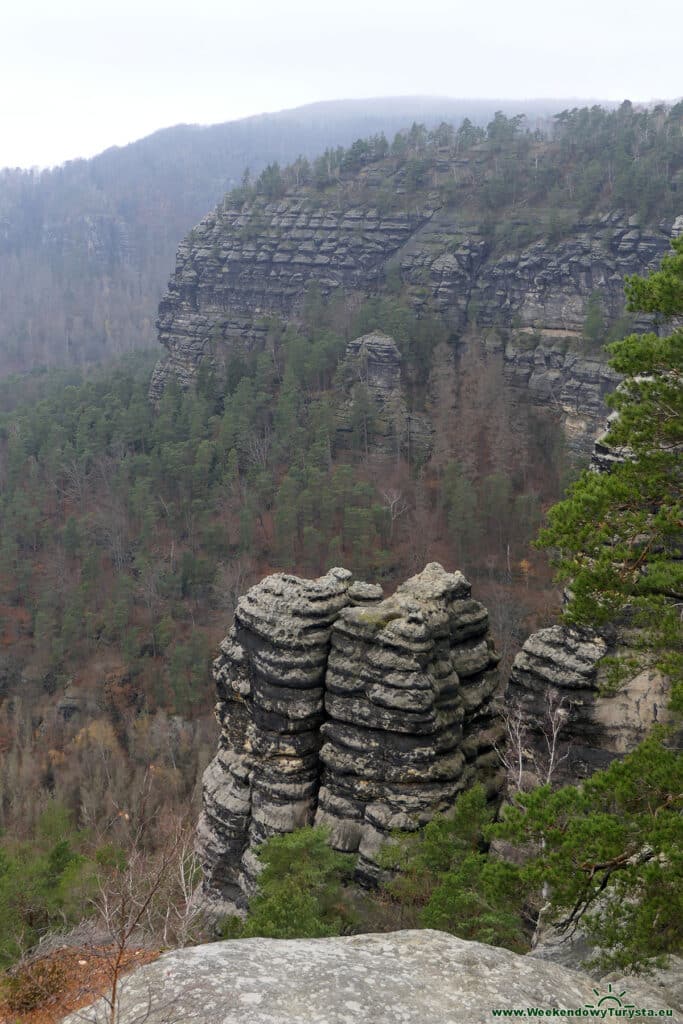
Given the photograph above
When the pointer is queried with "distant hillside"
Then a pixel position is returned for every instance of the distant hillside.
(517, 238)
(86, 248)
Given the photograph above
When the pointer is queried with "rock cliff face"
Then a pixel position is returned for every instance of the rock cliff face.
(270, 679)
(543, 287)
(244, 263)
(340, 708)
(562, 669)
(373, 363)
(567, 674)
(572, 384)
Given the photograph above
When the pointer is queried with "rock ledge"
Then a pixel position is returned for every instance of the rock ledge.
(411, 977)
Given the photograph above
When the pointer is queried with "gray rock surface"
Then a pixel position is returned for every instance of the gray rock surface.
(374, 362)
(244, 263)
(342, 709)
(563, 673)
(664, 985)
(412, 977)
(270, 678)
(408, 693)
(563, 668)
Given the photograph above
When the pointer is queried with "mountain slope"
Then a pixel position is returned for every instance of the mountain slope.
(85, 248)
(505, 233)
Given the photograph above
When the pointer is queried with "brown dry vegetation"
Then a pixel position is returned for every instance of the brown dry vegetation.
(65, 980)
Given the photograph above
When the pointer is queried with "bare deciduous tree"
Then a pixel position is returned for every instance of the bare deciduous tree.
(231, 580)
(72, 481)
(395, 506)
(147, 899)
(148, 586)
(556, 714)
(521, 756)
(514, 755)
(257, 447)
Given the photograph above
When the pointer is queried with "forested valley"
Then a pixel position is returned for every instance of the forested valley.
(130, 528)
(129, 533)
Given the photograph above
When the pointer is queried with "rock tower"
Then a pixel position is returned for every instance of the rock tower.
(342, 708)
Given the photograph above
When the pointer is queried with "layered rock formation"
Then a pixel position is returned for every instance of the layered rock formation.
(373, 363)
(246, 262)
(586, 697)
(410, 724)
(343, 709)
(572, 384)
(243, 263)
(411, 977)
(561, 674)
(270, 679)
(544, 287)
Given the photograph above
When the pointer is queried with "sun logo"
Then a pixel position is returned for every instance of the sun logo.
(609, 999)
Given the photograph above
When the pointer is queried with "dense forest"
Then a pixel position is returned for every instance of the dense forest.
(129, 531)
(587, 160)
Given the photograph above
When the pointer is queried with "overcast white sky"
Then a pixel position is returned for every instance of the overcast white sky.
(77, 76)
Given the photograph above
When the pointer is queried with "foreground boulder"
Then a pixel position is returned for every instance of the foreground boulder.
(411, 977)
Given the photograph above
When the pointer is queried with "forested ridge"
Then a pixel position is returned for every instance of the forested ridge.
(586, 160)
(85, 249)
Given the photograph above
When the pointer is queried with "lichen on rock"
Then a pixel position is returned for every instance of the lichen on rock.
(566, 667)
(409, 977)
(342, 709)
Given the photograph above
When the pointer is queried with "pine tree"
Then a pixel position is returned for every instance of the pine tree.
(610, 855)
(618, 534)
(300, 888)
(610, 850)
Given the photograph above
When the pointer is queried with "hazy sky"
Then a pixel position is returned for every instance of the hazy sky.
(77, 76)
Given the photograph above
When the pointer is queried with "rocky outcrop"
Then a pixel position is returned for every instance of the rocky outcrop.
(561, 674)
(552, 374)
(543, 286)
(242, 264)
(408, 693)
(340, 708)
(581, 697)
(270, 680)
(411, 977)
(373, 364)
(247, 262)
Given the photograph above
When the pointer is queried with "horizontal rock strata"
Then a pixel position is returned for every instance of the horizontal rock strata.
(340, 708)
(270, 679)
(407, 693)
(561, 671)
(246, 262)
(373, 362)
(242, 263)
